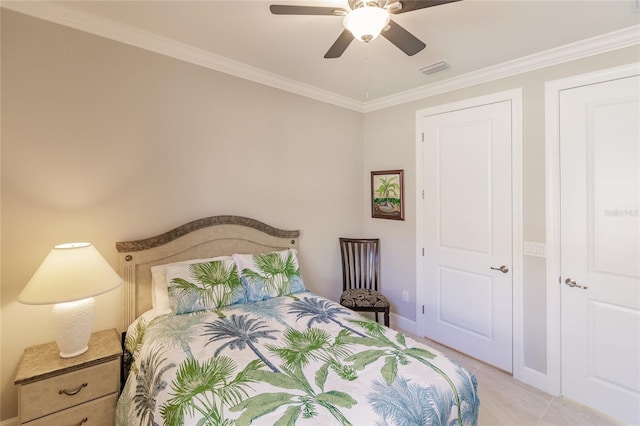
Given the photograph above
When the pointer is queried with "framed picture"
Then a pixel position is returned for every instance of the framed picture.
(387, 194)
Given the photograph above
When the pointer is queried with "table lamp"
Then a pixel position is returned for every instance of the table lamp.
(69, 277)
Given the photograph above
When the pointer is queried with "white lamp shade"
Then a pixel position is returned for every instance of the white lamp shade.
(366, 23)
(70, 272)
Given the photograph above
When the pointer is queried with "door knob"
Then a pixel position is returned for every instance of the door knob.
(502, 269)
(572, 283)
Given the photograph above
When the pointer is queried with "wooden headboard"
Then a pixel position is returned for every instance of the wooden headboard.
(202, 238)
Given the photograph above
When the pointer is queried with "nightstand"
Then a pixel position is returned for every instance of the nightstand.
(78, 391)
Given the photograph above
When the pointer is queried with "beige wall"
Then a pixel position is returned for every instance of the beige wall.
(389, 143)
(105, 142)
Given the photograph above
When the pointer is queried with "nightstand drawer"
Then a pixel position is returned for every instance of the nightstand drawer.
(99, 412)
(56, 393)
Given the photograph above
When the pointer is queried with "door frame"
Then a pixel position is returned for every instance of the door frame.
(552, 381)
(515, 97)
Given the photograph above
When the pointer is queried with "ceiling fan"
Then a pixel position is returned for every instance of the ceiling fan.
(365, 20)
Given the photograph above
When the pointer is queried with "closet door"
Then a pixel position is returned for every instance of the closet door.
(467, 263)
(600, 246)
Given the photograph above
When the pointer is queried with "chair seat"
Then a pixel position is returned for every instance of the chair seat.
(362, 298)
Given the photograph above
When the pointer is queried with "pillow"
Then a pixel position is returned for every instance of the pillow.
(160, 288)
(269, 275)
(206, 285)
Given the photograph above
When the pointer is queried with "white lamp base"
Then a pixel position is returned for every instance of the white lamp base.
(73, 322)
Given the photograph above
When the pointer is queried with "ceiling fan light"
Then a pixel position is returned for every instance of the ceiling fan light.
(366, 23)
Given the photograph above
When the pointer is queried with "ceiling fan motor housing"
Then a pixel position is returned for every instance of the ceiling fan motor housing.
(366, 20)
(355, 4)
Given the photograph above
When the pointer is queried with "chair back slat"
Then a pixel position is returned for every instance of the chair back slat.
(360, 263)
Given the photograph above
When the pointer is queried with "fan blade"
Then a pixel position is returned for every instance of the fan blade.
(340, 45)
(409, 5)
(278, 9)
(403, 39)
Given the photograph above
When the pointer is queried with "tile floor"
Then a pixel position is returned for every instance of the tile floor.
(505, 401)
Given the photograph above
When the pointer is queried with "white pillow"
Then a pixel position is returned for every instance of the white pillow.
(160, 287)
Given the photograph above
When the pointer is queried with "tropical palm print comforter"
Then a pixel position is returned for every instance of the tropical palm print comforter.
(298, 359)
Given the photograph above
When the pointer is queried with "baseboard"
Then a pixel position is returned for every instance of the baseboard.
(537, 379)
(10, 422)
(396, 321)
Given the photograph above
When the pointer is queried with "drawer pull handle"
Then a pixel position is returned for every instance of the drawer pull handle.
(73, 392)
(83, 421)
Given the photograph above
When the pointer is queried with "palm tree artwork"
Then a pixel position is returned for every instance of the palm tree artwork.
(403, 403)
(149, 384)
(395, 353)
(320, 311)
(388, 191)
(134, 339)
(202, 390)
(299, 395)
(179, 331)
(313, 344)
(240, 331)
(269, 310)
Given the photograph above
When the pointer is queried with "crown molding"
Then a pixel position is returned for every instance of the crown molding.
(113, 30)
(625, 37)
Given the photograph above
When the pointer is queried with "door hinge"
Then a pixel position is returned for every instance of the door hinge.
(423, 251)
(423, 309)
(422, 136)
(423, 194)
(559, 280)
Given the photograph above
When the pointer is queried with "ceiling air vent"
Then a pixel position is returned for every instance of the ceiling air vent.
(435, 67)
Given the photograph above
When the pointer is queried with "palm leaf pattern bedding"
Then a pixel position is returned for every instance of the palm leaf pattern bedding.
(302, 360)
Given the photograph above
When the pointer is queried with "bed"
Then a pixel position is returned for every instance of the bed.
(221, 330)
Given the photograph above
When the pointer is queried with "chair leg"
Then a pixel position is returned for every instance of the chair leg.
(386, 317)
(376, 314)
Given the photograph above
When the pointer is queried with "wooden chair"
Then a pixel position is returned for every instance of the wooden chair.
(361, 276)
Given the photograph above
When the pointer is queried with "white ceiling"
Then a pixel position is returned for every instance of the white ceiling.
(244, 36)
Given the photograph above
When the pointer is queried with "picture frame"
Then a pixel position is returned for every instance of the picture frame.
(387, 194)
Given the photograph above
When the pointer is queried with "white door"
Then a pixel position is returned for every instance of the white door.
(468, 231)
(600, 246)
